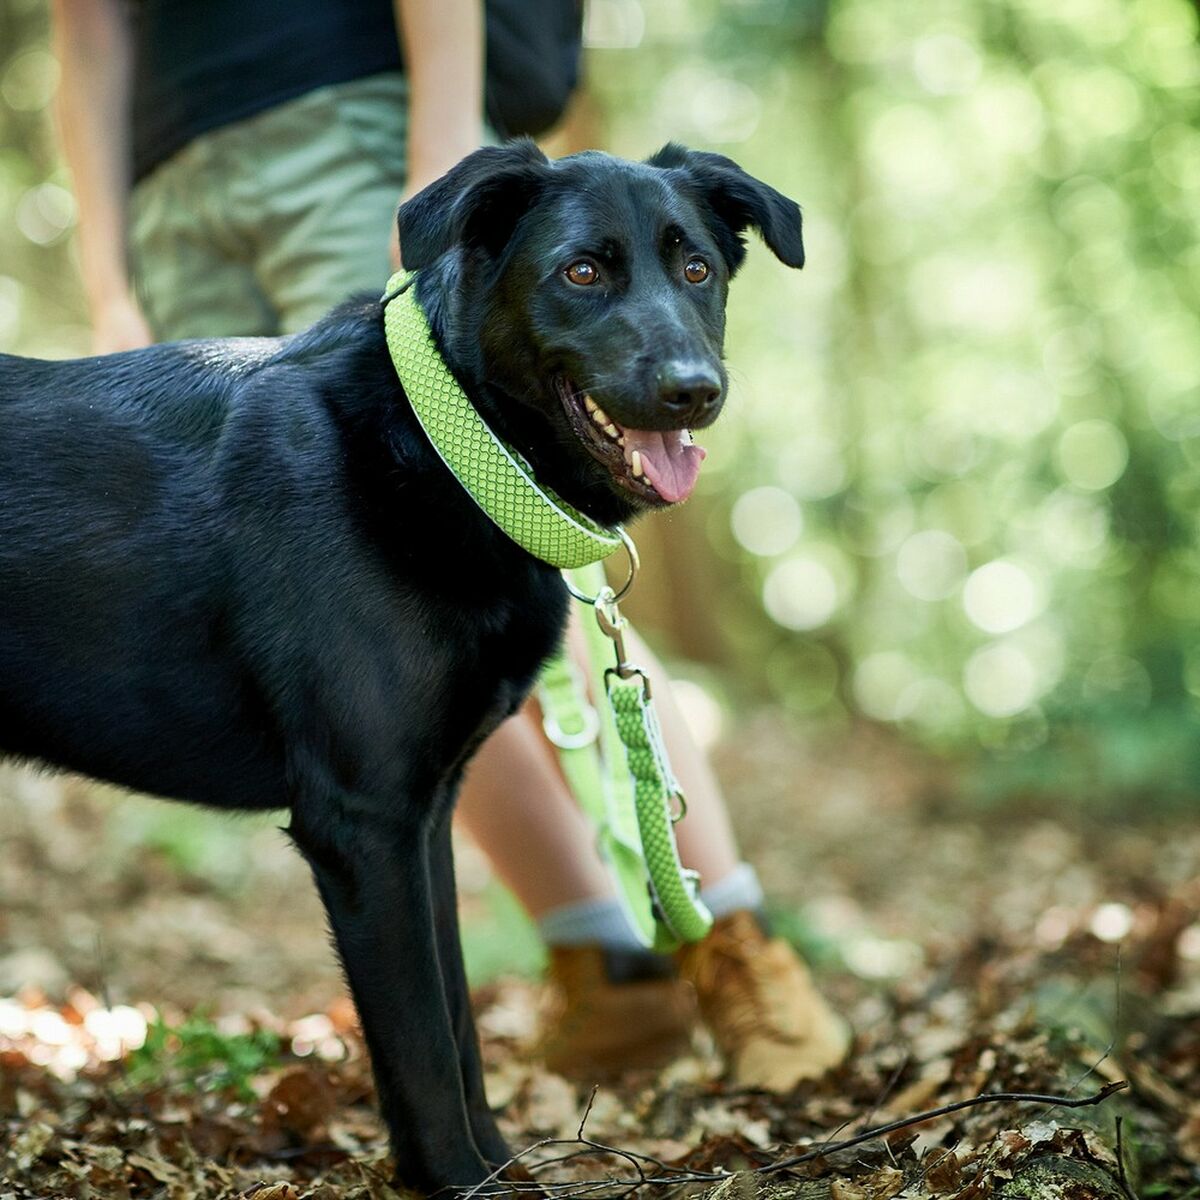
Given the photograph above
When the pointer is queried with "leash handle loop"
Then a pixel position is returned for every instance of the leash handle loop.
(675, 891)
(622, 778)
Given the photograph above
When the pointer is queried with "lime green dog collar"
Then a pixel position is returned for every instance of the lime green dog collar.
(496, 477)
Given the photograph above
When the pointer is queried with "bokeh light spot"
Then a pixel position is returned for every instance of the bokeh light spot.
(30, 81)
(701, 711)
(931, 704)
(766, 520)
(880, 682)
(1000, 596)
(946, 64)
(1092, 455)
(813, 467)
(1000, 680)
(1112, 922)
(45, 213)
(613, 24)
(725, 110)
(800, 593)
(1117, 677)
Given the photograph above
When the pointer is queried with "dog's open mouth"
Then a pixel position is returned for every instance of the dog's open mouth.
(659, 466)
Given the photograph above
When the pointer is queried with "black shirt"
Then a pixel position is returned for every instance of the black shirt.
(200, 64)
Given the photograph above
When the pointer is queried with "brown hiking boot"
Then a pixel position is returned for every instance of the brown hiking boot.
(609, 1012)
(761, 1006)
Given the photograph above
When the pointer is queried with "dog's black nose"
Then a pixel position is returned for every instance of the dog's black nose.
(688, 390)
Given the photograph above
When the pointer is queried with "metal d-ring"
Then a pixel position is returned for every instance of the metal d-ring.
(634, 566)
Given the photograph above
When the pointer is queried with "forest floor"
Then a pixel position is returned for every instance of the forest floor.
(1034, 948)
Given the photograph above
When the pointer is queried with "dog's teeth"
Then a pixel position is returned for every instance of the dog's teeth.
(687, 438)
(589, 404)
(635, 461)
(599, 416)
(621, 440)
(612, 430)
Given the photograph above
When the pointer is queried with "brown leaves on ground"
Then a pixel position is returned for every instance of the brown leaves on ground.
(973, 953)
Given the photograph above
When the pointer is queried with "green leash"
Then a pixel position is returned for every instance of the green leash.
(634, 811)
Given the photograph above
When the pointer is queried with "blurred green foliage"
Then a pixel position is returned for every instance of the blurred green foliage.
(195, 1053)
(959, 470)
(41, 308)
(956, 489)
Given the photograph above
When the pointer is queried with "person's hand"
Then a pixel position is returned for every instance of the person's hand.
(119, 324)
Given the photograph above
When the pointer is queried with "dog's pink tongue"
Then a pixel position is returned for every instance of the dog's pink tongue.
(670, 461)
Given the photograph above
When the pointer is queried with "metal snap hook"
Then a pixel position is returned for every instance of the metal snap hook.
(634, 566)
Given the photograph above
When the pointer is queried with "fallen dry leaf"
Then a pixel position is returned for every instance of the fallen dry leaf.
(300, 1103)
(272, 1191)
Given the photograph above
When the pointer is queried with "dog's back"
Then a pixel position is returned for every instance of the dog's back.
(112, 569)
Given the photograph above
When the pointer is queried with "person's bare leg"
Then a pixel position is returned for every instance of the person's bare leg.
(516, 806)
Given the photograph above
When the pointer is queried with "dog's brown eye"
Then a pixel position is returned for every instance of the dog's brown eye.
(696, 270)
(583, 273)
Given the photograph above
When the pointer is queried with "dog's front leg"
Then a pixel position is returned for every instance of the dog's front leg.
(373, 872)
(445, 898)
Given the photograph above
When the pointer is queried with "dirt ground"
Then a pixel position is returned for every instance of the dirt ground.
(1037, 948)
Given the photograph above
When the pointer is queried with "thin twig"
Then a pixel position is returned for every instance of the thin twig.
(477, 1190)
(1107, 1051)
(111, 1094)
(632, 1156)
(1130, 1194)
(946, 1109)
(885, 1092)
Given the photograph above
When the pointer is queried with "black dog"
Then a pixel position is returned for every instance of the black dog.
(236, 573)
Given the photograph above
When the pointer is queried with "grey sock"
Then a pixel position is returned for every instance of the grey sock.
(589, 923)
(602, 922)
(738, 890)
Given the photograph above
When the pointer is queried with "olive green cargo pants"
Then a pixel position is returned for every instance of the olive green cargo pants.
(260, 227)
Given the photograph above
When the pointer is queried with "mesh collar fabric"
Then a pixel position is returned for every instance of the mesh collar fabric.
(496, 477)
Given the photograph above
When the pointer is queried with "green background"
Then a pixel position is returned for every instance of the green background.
(955, 490)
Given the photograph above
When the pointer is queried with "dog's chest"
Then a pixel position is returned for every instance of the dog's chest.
(521, 630)
(496, 649)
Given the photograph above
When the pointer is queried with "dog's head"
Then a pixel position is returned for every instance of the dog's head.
(582, 301)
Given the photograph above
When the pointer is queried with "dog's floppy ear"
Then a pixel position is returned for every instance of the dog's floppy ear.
(476, 203)
(738, 200)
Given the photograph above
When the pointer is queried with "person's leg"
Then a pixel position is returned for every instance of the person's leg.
(611, 1007)
(517, 806)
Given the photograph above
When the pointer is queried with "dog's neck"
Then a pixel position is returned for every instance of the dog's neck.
(491, 471)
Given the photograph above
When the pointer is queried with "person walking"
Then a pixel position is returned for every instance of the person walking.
(237, 168)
